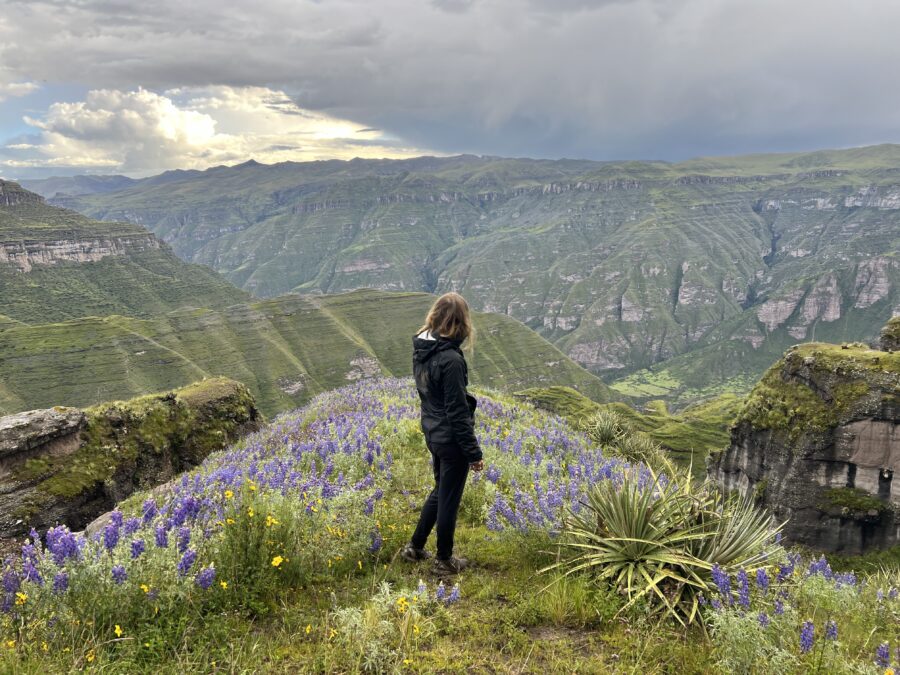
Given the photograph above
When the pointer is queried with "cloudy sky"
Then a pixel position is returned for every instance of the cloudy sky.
(119, 86)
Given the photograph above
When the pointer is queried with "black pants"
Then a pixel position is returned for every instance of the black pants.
(451, 468)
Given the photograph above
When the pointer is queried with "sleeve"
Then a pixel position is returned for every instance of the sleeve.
(456, 408)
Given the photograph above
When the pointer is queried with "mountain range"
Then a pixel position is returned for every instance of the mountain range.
(92, 311)
(675, 280)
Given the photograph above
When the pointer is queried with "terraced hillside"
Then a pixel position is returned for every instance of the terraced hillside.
(56, 264)
(285, 350)
(624, 265)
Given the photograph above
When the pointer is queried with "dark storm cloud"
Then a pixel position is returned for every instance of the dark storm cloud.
(601, 79)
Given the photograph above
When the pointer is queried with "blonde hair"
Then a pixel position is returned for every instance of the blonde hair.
(449, 317)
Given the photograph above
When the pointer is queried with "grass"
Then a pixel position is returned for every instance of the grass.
(285, 350)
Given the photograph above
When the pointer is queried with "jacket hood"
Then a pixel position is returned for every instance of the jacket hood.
(423, 349)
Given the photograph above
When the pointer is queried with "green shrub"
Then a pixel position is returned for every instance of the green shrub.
(657, 538)
(605, 427)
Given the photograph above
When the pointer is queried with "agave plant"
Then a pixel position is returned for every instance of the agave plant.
(659, 537)
(605, 427)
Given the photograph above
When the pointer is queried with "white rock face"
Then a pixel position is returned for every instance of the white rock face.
(632, 312)
(773, 313)
(24, 255)
(823, 302)
(363, 367)
(600, 355)
(872, 281)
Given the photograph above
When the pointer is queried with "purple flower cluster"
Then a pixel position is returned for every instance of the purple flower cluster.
(807, 636)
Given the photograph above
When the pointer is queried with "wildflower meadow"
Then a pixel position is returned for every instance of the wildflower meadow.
(279, 554)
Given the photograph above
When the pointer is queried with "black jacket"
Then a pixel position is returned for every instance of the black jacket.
(448, 411)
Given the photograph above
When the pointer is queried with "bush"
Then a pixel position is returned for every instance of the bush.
(657, 538)
(605, 427)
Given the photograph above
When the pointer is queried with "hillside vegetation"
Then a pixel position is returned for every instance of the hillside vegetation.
(279, 555)
(623, 265)
(285, 350)
(56, 264)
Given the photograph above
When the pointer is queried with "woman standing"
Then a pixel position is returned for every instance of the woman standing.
(448, 422)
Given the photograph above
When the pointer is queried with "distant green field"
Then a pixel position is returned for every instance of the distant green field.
(286, 350)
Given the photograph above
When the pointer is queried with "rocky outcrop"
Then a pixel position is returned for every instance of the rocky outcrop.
(890, 335)
(24, 255)
(64, 465)
(818, 442)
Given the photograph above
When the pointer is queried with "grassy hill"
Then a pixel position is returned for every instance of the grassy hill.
(689, 434)
(279, 555)
(56, 264)
(286, 350)
(623, 265)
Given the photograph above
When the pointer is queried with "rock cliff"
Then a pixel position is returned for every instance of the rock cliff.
(818, 442)
(65, 465)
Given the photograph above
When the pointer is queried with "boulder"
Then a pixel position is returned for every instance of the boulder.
(67, 466)
(817, 442)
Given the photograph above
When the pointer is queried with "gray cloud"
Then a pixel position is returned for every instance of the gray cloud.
(604, 79)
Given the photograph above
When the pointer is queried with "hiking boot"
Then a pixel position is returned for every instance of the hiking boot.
(449, 567)
(412, 554)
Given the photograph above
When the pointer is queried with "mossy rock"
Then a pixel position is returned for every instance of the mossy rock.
(126, 446)
(853, 499)
(890, 335)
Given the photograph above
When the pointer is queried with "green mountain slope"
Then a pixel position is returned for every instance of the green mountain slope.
(286, 350)
(56, 264)
(623, 265)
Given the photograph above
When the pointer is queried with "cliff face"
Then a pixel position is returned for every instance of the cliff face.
(56, 264)
(818, 442)
(64, 465)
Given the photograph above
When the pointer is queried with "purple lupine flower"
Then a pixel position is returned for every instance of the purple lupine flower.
(743, 588)
(830, 630)
(421, 588)
(779, 607)
(162, 537)
(30, 573)
(62, 544)
(184, 539)
(377, 542)
(441, 591)
(723, 582)
(149, 510)
(879, 595)
(716, 604)
(11, 581)
(111, 536)
(61, 582)
(186, 562)
(119, 574)
(116, 518)
(137, 548)
(892, 594)
(206, 577)
(763, 619)
(807, 636)
(454, 595)
(493, 474)
(131, 526)
(883, 655)
(762, 580)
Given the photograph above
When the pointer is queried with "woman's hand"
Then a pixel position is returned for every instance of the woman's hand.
(477, 466)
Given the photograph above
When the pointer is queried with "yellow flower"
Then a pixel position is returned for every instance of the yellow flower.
(416, 628)
(21, 598)
(277, 560)
(228, 494)
(90, 656)
(359, 563)
(145, 588)
(270, 521)
(308, 629)
(11, 644)
(229, 521)
(224, 585)
(118, 631)
(406, 662)
(332, 633)
(889, 671)
(313, 509)
(45, 647)
(250, 511)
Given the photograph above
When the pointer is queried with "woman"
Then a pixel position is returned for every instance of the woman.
(448, 421)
